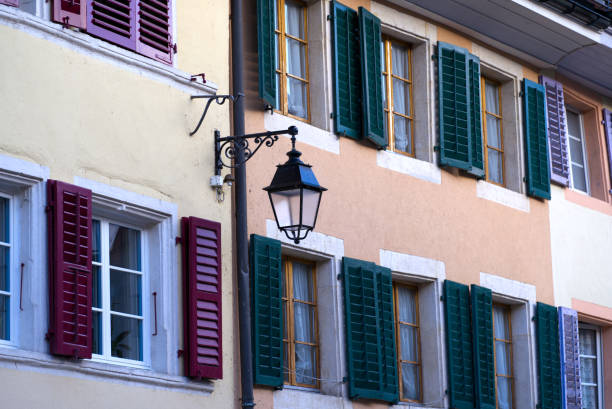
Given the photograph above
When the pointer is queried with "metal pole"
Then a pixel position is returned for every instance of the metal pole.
(242, 259)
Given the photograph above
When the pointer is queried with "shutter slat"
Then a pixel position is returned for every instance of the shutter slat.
(536, 141)
(557, 137)
(266, 48)
(570, 358)
(347, 72)
(266, 309)
(549, 366)
(478, 164)
(607, 114)
(155, 30)
(70, 269)
(14, 3)
(371, 79)
(202, 303)
(484, 355)
(454, 106)
(68, 12)
(459, 346)
(113, 21)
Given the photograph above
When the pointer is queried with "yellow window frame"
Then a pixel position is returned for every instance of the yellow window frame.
(282, 36)
(398, 341)
(288, 308)
(506, 310)
(388, 78)
(499, 116)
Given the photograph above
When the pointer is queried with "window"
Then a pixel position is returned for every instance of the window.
(397, 98)
(502, 339)
(5, 268)
(117, 302)
(590, 366)
(408, 341)
(577, 157)
(292, 87)
(301, 366)
(492, 131)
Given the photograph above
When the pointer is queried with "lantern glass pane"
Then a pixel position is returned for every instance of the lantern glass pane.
(310, 206)
(287, 207)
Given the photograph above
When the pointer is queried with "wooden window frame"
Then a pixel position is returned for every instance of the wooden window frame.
(281, 48)
(388, 77)
(483, 81)
(585, 162)
(507, 310)
(289, 342)
(599, 361)
(419, 363)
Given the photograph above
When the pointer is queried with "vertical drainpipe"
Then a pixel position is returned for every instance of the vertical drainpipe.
(242, 259)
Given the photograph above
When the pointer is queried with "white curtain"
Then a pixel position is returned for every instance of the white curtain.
(492, 98)
(502, 359)
(303, 324)
(296, 60)
(495, 166)
(401, 99)
(408, 342)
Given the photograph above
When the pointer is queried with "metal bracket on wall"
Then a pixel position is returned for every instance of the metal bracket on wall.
(219, 99)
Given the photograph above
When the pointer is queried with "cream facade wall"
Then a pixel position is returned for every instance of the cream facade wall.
(91, 113)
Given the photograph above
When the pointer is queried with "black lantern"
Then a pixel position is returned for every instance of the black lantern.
(295, 195)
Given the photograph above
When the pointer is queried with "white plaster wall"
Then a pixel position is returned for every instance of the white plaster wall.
(581, 241)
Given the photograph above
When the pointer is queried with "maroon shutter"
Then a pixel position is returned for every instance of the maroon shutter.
(70, 12)
(555, 109)
(113, 20)
(607, 122)
(70, 237)
(10, 2)
(202, 294)
(154, 29)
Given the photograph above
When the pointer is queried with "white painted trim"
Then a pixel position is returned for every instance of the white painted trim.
(103, 50)
(410, 166)
(508, 287)
(309, 134)
(503, 196)
(413, 265)
(13, 358)
(317, 242)
(290, 398)
(22, 170)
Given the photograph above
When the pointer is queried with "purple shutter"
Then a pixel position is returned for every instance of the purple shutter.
(70, 12)
(113, 20)
(607, 122)
(10, 2)
(70, 238)
(202, 295)
(557, 136)
(570, 358)
(154, 29)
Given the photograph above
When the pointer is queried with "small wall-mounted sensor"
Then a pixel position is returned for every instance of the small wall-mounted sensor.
(229, 179)
(216, 181)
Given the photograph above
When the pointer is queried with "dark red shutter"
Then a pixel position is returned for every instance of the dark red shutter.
(10, 2)
(607, 123)
(70, 12)
(70, 238)
(154, 29)
(113, 20)
(202, 295)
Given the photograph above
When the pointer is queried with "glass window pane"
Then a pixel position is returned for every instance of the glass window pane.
(494, 132)
(294, 19)
(496, 169)
(492, 98)
(579, 178)
(503, 364)
(95, 242)
(402, 134)
(302, 282)
(310, 206)
(126, 337)
(305, 364)
(589, 397)
(406, 304)
(504, 393)
(124, 245)
(400, 60)
(5, 270)
(125, 292)
(286, 361)
(287, 207)
(573, 124)
(401, 97)
(304, 323)
(576, 151)
(296, 58)
(96, 287)
(409, 343)
(411, 383)
(297, 96)
(5, 317)
(96, 345)
(501, 324)
(588, 341)
(4, 220)
(384, 91)
(588, 370)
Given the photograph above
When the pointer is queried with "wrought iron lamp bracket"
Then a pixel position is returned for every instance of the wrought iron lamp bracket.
(219, 99)
(226, 146)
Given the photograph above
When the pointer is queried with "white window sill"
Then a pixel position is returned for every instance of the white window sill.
(309, 134)
(407, 165)
(100, 49)
(501, 195)
(411, 405)
(292, 398)
(14, 358)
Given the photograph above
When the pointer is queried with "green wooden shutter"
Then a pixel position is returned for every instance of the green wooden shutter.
(459, 345)
(475, 117)
(549, 362)
(371, 78)
(347, 71)
(370, 331)
(266, 305)
(484, 356)
(266, 41)
(536, 140)
(454, 107)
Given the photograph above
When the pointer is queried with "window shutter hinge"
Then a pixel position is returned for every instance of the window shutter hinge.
(344, 379)
(521, 93)
(434, 57)
(437, 148)
(49, 335)
(442, 298)
(175, 48)
(340, 276)
(331, 115)
(603, 122)
(178, 240)
(48, 208)
(329, 17)
(179, 353)
(524, 179)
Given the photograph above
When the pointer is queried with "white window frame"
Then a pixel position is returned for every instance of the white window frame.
(14, 282)
(105, 289)
(599, 358)
(582, 144)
